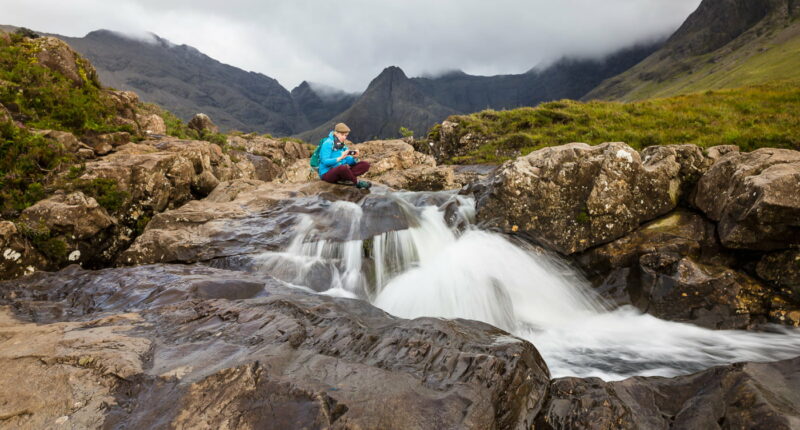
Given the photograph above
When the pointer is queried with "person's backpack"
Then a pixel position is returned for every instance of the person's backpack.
(315, 156)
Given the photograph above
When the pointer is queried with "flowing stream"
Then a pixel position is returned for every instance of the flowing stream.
(455, 270)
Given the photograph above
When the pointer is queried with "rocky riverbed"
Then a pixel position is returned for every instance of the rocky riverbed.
(172, 326)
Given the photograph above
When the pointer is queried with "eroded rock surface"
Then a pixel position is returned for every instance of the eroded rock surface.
(575, 196)
(674, 268)
(248, 216)
(233, 350)
(747, 395)
(754, 197)
(202, 123)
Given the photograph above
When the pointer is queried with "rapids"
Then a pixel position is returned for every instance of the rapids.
(444, 266)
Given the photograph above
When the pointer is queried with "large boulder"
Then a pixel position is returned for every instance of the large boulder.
(754, 197)
(151, 124)
(270, 157)
(450, 141)
(56, 55)
(78, 221)
(202, 123)
(673, 268)
(738, 396)
(397, 164)
(575, 196)
(193, 347)
(64, 138)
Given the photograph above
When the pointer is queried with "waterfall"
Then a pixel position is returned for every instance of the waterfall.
(448, 268)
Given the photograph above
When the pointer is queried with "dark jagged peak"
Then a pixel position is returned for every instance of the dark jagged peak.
(717, 22)
(391, 73)
(320, 102)
(391, 101)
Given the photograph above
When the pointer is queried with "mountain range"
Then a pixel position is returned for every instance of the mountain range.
(724, 43)
(185, 81)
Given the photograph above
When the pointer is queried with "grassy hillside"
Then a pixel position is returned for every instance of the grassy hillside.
(749, 117)
(779, 60)
(721, 45)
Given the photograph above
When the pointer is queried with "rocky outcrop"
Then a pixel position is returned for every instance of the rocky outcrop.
(450, 141)
(77, 221)
(576, 196)
(674, 269)
(151, 124)
(782, 269)
(56, 55)
(132, 184)
(745, 395)
(202, 123)
(270, 157)
(64, 138)
(754, 198)
(249, 216)
(19, 256)
(234, 350)
(398, 165)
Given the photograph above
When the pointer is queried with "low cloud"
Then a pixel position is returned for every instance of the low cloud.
(347, 43)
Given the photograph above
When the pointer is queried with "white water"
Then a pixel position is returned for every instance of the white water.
(433, 270)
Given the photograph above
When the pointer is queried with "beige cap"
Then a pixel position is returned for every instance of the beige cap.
(341, 128)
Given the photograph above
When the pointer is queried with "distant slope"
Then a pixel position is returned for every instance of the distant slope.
(185, 81)
(568, 78)
(723, 44)
(319, 103)
(391, 101)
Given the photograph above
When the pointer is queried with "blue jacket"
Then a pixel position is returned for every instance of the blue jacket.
(328, 156)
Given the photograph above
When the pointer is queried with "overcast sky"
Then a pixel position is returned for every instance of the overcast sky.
(346, 43)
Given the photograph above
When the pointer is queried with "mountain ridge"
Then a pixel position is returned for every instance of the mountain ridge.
(722, 44)
(170, 75)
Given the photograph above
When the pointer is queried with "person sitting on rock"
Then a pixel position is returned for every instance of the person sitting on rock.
(337, 163)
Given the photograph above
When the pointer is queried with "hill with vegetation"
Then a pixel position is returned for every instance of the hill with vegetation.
(723, 44)
(749, 117)
(47, 90)
(185, 81)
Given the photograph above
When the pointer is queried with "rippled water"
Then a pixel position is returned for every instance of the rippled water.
(432, 269)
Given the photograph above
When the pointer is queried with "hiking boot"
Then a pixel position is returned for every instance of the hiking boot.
(364, 184)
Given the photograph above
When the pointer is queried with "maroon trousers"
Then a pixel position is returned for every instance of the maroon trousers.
(346, 172)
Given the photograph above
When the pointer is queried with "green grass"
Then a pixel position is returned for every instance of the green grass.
(27, 161)
(778, 61)
(48, 99)
(750, 117)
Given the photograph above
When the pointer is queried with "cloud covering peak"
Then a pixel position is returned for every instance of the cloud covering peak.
(348, 42)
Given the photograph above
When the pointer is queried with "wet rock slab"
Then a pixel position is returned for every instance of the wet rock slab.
(249, 216)
(163, 346)
(738, 396)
